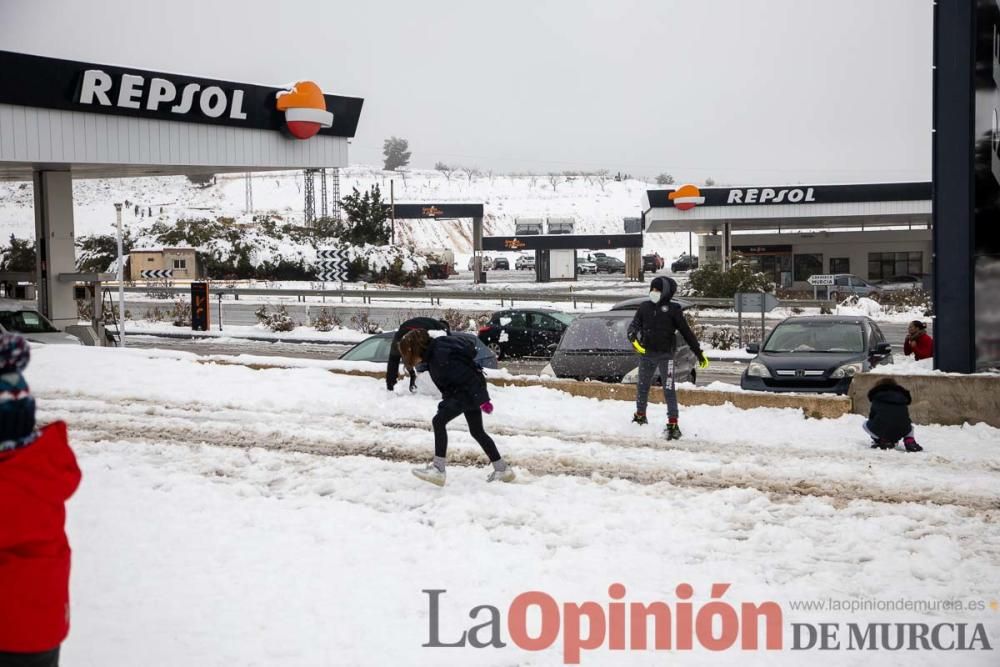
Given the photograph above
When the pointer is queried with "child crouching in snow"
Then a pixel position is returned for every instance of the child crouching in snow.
(38, 473)
(450, 361)
(889, 416)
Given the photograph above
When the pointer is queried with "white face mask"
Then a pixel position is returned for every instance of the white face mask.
(654, 297)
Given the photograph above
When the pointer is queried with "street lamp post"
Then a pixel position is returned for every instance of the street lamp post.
(121, 278)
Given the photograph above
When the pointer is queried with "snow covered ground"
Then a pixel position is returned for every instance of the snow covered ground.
(259, 517)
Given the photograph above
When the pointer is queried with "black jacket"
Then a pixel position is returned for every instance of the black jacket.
(392, 366)
(655, 324)
(889, 417)
(451, 362)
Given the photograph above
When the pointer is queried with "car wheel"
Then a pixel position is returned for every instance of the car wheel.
(497, 350)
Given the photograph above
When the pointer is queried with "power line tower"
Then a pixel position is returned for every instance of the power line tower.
(335, 193)
(249, 194)
(310, 197)
(324, 212)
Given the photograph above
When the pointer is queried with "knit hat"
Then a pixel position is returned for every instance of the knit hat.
(17, 407)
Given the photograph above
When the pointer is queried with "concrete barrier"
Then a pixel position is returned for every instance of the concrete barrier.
(939, 399)
(816, 406)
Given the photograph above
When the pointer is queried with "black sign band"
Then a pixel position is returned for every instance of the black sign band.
(51, 83)
(800, 194)
(562, 242)
(407, 211)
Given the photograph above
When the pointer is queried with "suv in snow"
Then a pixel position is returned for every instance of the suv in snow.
(525, 263)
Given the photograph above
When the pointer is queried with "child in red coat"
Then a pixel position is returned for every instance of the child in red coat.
(38, 473)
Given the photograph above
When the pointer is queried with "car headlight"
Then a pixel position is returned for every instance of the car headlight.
(758, 370)
(847, 370)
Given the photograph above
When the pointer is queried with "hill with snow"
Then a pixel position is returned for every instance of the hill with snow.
(597, 205)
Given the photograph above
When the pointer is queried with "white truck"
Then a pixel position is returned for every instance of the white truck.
(440, 262)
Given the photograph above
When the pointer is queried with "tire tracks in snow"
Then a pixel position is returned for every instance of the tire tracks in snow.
(95, 420)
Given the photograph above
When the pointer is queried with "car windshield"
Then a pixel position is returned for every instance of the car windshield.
(816, 337)
(565, 318)
(374, 349)
(26, 322)
(597, 333)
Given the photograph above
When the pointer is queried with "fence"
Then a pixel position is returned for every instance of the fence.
(505, 297)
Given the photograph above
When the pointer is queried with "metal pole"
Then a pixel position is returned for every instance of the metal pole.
(392, 209)
(762, 297)
(220, 311)
(739, 321)
(121, 277)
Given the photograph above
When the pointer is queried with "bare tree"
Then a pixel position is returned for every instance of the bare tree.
(555, 179)
(447, 169)
(471, 173)
(602, 176)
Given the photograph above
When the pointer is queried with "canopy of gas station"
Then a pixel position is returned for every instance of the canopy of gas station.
(61, 119)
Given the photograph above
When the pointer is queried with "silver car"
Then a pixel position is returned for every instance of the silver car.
(31, 324)
(847, 284)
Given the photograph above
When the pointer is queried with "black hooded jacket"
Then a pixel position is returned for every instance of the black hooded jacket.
(392, 366)
(451, 362)
(889, 416)
(655, 324)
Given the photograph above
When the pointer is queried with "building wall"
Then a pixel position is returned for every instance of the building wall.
(855, 246)
(164, 259)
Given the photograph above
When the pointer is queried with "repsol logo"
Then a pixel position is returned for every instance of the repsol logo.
(771, 196)
(159, 95)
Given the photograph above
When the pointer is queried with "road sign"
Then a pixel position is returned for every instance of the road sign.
(157, 274)
(752, 302)
(199, 307)
(818, 280)
(332, 263)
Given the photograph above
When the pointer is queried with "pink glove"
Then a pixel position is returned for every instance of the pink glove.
(487, 407)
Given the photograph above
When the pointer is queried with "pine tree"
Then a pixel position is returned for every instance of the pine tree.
(366, 218)
(396, 152)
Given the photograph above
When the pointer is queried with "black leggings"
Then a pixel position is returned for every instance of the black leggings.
(43, 659)
(448, 410)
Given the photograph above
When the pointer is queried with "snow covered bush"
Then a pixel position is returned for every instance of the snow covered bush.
(181, 314)
(278, 321)
(363, 322)
(326, 321)
(711, 281)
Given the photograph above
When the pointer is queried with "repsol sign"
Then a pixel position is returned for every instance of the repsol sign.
(51, 83)
(691, 198)
(771, 196)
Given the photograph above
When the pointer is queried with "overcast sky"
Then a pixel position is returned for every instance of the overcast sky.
(745, 91)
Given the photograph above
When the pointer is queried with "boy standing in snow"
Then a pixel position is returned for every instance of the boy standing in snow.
(889, 416)
(38, 473)
(652, 334)
(413, 324)
(450, 360)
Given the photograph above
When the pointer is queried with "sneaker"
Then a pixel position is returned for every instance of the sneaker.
(640, 418)
(505, 475)
(430, 473)
(912, 446)
(672, 432)
(881, 443)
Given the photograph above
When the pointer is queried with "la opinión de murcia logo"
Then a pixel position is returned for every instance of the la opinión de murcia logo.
(535, 621)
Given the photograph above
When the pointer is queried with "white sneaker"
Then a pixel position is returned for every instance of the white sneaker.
(505, 475)
(430, 473)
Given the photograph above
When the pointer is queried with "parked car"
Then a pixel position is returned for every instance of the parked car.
(652, 262)
(524, 332)
(487, 263)
(525, 263)
(16, 318)
(586, 267)
(684, 263)
(900, 283)
(610, 265)
(596, 347)
(376, 349)
(501, 264)
(846, 284)
(816, 354)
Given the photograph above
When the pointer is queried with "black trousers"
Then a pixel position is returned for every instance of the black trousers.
(44, 659)
(448, 410)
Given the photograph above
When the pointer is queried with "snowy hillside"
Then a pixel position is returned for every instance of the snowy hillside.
(597, 206)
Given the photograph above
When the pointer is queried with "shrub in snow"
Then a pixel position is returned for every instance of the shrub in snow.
(711, 281)
(326, 321)
(181, 313)
(277, 321)
(363, 322)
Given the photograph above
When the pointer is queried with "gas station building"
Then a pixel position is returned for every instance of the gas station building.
(62, 119)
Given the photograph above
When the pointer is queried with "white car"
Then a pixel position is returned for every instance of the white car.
(525, 263)
(586, 267)
(32, 325)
